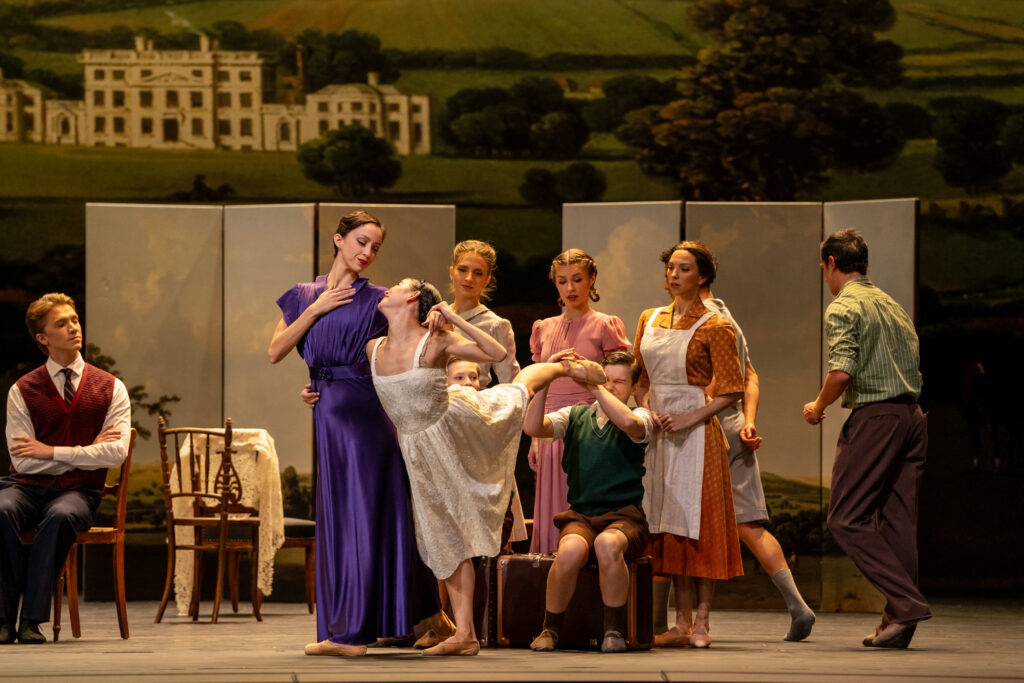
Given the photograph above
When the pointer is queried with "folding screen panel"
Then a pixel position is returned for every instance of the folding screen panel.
(768, 277)
(626, 240)
(418, 244)
(154, 293)
(267, 249)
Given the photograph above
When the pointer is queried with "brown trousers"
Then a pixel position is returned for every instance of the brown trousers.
(873, 509)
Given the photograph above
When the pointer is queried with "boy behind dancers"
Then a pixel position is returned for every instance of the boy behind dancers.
(605, 468)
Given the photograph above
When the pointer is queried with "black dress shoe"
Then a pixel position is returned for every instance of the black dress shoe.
(29, 633)
(6, 633)
(894, 636)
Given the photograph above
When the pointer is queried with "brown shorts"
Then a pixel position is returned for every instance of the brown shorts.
(630, 521)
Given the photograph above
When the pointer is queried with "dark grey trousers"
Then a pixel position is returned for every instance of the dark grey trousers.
(58, 515)
(872, 513)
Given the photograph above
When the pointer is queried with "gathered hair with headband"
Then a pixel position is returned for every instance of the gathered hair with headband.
(572, 257)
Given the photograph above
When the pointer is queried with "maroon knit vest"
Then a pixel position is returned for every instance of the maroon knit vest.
(58, 424)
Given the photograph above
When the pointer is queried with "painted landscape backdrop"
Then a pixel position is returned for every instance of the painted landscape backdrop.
(959, 91)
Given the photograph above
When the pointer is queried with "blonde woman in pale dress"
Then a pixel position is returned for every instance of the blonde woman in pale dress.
(460, 481)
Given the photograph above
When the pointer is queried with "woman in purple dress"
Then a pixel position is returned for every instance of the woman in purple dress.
(370, 581)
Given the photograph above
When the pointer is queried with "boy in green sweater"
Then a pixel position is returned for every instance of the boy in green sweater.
(604, 463)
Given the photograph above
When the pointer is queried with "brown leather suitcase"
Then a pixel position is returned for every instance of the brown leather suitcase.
(521, 585)
(485, 600)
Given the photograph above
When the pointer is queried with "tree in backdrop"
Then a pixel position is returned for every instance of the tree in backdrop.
(345, 57)
(767, 109)
(533, 118)
(352, 160)
(577, 182)
(623, 94)
(969, 134)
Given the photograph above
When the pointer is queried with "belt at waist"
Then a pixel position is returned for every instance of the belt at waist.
(902, 398)
(329, 372)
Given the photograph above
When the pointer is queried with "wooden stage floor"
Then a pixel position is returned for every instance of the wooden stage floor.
(967, 640)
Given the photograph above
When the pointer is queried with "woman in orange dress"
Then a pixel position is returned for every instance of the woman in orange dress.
(691, 371)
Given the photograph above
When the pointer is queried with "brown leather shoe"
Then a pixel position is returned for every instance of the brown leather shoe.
(894, 636)
(466, 648)
(327, 647)
(672, 638)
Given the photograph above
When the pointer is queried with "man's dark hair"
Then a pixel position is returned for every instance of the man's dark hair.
(849, 250)
(623, 358)
(429, 296)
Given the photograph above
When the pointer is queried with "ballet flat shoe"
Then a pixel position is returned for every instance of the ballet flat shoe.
(327, 648)
(466, 648)
(699, 637)
(429, 639)
(672, 638)
(545, 642)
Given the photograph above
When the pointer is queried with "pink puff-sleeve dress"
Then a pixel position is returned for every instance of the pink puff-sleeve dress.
(594, 336)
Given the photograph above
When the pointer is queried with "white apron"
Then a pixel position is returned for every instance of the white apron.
(675, 462)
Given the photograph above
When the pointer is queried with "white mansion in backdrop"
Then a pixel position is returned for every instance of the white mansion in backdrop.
(203, 99)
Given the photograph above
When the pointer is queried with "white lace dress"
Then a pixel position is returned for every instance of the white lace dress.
(459, 447)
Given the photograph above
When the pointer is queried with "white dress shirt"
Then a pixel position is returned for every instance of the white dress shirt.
(65, 458)
(560, 421)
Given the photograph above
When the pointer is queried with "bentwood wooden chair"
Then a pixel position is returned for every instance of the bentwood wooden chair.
(205, 500)
(112, 535)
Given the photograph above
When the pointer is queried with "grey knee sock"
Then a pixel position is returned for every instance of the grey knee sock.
(801, 616)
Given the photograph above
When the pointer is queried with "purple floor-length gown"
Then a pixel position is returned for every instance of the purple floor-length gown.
(370, 581)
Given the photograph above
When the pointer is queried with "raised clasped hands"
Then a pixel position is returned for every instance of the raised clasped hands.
(439, 317)
(332, 298)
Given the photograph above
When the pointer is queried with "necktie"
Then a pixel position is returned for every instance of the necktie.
(69, 391)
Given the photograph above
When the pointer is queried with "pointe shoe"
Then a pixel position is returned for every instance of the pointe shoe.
(429, 639)
(894, 636)
(672, 638)
(583, 370)
(699, 637)
(327, 647)
(466, 648)
(545, 642)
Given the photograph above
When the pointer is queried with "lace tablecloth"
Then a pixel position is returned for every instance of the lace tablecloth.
(255, 460)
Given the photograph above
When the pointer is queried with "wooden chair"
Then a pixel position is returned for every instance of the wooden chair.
(298, 533)
(114, 536)
(214, 496)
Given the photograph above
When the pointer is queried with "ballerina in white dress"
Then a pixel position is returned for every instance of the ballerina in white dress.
(459, 445)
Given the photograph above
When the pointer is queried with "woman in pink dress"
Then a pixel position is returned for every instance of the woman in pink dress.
(593, 335)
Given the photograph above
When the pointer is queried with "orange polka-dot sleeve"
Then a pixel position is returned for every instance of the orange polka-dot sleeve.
(725, 360)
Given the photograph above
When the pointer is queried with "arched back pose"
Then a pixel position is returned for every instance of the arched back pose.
(593, 335)
(370, 581)
(459, 444)
(687, 490)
